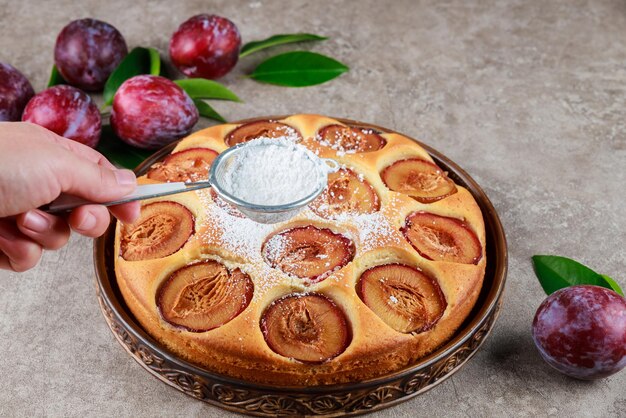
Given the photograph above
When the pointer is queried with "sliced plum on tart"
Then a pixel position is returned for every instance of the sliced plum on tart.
(161, 229)
(261, 129)
(441, 238)
(306, 327)
(204, 295)
(420, 179)
(350, 139)
(308, 252)
(188, 165)
(404, 297)
(345, 193)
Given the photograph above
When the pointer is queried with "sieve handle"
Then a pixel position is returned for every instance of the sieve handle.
(65, 203)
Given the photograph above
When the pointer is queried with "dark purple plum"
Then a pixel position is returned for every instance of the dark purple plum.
(205, 46)
(15, 92)
(581, 331)
(151, 111)
(66, 111)
(87, 51)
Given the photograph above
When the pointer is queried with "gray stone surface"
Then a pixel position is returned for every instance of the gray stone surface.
(529, 97)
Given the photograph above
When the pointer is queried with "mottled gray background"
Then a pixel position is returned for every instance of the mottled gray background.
(527, 96)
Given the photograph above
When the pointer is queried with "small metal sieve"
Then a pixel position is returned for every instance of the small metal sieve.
(268, 214)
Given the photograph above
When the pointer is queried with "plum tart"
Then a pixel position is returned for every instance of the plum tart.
(377, 272)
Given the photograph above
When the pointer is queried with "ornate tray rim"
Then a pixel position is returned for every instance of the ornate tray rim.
(334, 400)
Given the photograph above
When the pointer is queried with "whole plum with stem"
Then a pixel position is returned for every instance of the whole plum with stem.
(87, 51)
(151, 111)
(66, 111)
(205, 46)
(581, 331)
(15, 92)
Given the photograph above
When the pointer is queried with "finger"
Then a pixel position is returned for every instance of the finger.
(82, 150)
(127, 213)
(88, 153)
(90, 220)
(17, 252)
(84, 172)
(51, 232)
(5, 263)
(92, 181)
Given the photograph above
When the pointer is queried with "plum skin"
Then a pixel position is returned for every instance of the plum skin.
(581, 331)
(87, 51)
(66, 111)
(151, 111)
(205, 46)
(15, 92)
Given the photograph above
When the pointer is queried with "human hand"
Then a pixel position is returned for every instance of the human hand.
(36, 166)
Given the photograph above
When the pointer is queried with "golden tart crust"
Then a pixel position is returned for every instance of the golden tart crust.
(238, 348)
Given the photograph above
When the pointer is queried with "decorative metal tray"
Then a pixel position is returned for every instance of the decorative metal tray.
(330, 401)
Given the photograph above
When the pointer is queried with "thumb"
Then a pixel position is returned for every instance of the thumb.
(89, 180)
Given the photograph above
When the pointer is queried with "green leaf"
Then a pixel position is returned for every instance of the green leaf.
(118, 152)
(298, 69)
(55, 77)
(555, 272)
(201, 88)
(207, 111)
(138, 61)
(155, 61)
(613, 284)
(288, 38)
